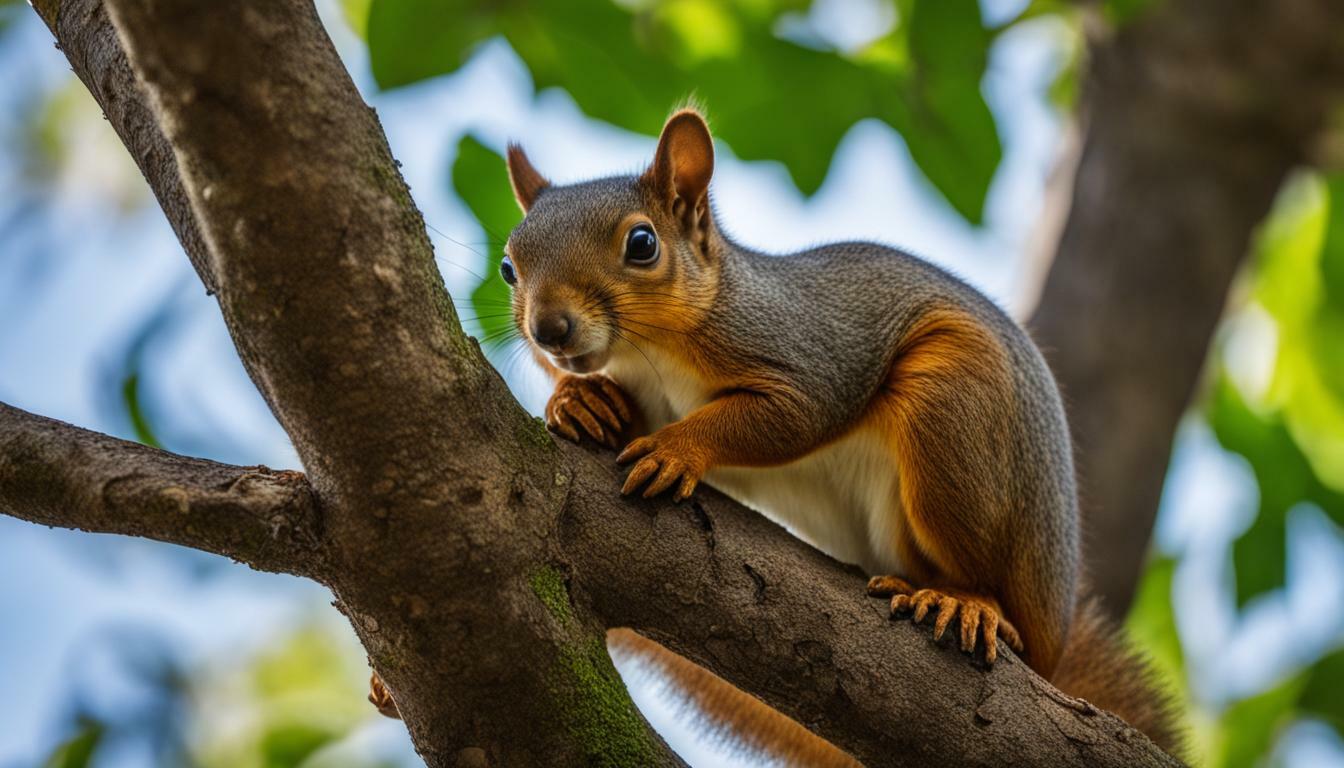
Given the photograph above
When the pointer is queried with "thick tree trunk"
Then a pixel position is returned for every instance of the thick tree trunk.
(437, 492)
(479, 562)
(1194, 114)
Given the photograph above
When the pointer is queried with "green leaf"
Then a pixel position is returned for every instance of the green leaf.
(78, 751)
(1152, 622)
(1292, 434)
(1332, 248)
(289, 744)
(482, 181)
(1248, 728)
(1329, 318)
(1323, 695)
(1296, 256)
(1122, 12)
(411, 40)
(769, 98)
(356, 13)
(951, 132)
(135, 410)
(1285, 478)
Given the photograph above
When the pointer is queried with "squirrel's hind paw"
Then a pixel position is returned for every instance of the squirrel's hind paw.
(381, 698)
(980, 617)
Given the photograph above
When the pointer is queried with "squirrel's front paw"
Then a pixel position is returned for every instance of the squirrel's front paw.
(981, 617)
(595, 404)
(667, 460)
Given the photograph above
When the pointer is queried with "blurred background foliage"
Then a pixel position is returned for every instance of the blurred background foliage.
(766, 77)
(782, 82)
(297, 702)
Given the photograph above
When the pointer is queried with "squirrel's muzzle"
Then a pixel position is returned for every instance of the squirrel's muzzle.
(553, 329)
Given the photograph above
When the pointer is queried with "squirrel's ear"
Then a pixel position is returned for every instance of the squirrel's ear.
(683, 165)
(527, 181)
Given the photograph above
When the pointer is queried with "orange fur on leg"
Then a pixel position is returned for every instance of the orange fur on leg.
(950, 430)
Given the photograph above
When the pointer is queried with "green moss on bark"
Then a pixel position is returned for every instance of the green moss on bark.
(592, 700)
(533, 432)
(597, 709)
(548, 584)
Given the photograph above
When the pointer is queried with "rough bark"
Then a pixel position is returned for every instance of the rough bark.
(480, 563)
(84, 33)
(56, 474)
(1194, 113)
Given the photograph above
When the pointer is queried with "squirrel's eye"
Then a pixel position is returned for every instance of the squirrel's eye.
(641, 245)
(506, 271)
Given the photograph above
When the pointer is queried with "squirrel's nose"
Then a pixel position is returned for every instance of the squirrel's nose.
(553, 329)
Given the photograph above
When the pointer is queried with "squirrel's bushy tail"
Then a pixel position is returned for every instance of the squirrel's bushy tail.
(730, 711)
(1098, 665)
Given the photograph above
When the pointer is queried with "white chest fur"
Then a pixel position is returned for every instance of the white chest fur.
(843, 499)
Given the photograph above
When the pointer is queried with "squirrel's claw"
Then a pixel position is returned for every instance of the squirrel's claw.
(660, 466)
(638, 474)
(635, 449)
(562, 427)
(980, 618)
(886, 586)
(599, 408)
(617, 397)
(1008, 633)
(593, 404)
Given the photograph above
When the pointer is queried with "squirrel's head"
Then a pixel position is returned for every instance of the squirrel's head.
(603, 267)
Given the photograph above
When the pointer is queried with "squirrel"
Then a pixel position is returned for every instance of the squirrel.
(881, 409)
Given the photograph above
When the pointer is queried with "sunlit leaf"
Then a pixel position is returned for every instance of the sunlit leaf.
(356, 14)
(69, 147)
(1327, 330)
(1064, 87)
(302, 693)
(482, 181)
(1292, 434)
(1285, 478)
(1298, 253)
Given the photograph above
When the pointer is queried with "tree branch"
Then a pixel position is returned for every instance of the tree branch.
(1194, 114)
(84, 32)
(56, 474)
(738, 594)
